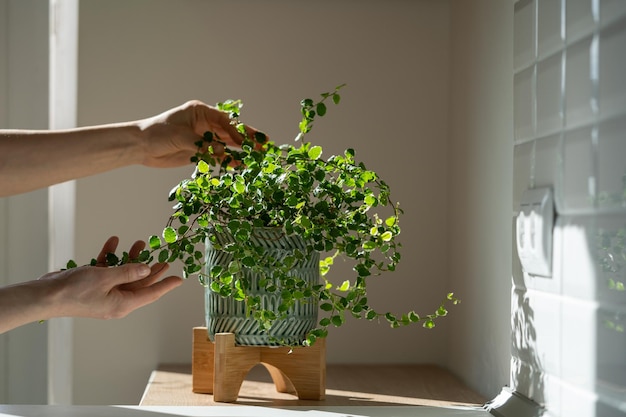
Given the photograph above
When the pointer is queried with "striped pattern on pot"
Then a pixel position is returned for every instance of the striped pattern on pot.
(229, 315)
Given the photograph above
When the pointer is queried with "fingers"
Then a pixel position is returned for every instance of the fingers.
(129, 273)
(208, 118)
(156, 272)
(136, 249)
(147, 295)
(107, 292)
(144, 291)
(109, 247)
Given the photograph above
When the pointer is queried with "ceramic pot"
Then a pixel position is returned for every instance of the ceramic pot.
(229, 315)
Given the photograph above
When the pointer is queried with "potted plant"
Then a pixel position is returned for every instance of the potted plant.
(274, 219)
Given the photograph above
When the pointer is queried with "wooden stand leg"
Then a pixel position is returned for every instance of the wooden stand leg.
(283, 384)
(220, 368)
(202, 362)
(232, 364)
(304, 367)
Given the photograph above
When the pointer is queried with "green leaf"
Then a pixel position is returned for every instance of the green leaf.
(315, 152)
(369, 245)
(216, 270)
(234, 267)
(154, 242)
(260, 137)
(326, 306)
(71, 264)
(111, 259)
(345, 286)
(337, 320)
(169, 234)
(321, 108)
(248, 261)
(203, 167)
(215, 287)
(239, 187)
(362, 270)
(390, 317)
(144, 255)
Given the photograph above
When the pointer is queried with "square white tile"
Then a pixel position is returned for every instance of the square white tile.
(612, 68)
(524, 33)
(612, 10)
(524, 104)
(607, 239)
(549, 95)
(579, 178)
(612, 164)
(577, 262)
(523, 161)
(578, 85)
(550, 27)
(549, 164)
(579, 21)
(579, 344)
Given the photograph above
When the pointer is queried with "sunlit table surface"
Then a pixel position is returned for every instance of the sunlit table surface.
(351, 390)
(346, 385)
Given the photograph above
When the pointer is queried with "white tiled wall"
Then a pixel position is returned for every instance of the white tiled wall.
(569, 330)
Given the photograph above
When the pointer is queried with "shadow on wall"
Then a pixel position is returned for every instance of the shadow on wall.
(526, 369)
(610, 252)
(590, 322)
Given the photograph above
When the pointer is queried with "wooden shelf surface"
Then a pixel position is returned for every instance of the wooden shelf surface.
(346, 385)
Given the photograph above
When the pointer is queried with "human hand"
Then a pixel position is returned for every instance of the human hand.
(109, 292)
(170, 137)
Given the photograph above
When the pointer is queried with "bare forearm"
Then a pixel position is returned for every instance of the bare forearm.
(88, 291)
(34, 159)
(24, 303)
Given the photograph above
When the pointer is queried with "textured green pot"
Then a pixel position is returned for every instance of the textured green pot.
(228, 315)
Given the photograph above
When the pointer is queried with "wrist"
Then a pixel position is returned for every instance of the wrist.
(47, 298)
(128, 143)
(25, 303)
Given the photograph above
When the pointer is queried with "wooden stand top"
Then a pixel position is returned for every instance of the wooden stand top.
(346, 385)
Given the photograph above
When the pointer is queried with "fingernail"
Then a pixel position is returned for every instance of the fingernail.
(143, 271)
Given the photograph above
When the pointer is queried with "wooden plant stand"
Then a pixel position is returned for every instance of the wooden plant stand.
(220, 367)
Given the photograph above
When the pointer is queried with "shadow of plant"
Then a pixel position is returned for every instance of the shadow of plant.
(526, 369)
(611, 259)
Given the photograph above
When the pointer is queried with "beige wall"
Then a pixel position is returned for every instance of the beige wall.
(140, 57)
(23, 218)
(480, 196)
